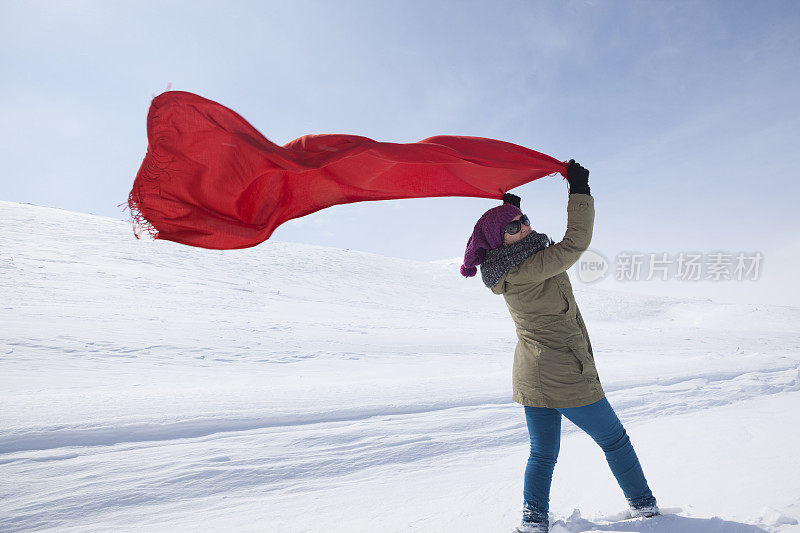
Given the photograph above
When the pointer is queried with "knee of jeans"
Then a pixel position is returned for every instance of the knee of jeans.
(544, 454)
(547, 458)
(615, 440)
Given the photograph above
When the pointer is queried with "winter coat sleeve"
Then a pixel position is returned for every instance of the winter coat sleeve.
(558, 257)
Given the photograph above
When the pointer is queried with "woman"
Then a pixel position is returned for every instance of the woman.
(554, 371)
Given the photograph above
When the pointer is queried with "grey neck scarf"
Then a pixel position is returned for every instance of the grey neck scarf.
(500, 260)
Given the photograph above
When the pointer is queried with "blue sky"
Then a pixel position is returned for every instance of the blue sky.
(686, 113)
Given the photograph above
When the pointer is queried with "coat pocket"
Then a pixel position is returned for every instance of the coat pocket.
(559, 369)
(587, 361)
(571, 308)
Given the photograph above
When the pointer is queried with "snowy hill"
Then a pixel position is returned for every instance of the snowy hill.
(287, 387)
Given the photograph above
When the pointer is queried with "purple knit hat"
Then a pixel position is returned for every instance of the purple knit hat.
(487, 235)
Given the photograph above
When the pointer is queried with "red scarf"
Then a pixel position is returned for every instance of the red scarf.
(210, 179)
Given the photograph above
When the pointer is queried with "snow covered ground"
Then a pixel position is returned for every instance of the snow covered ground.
(146, 385)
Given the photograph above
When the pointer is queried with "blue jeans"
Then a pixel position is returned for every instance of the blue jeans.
(601, 423)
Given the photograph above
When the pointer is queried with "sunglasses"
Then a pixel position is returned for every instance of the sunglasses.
(516, 225)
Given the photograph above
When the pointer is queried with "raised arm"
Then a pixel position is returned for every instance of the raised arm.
(558, 257)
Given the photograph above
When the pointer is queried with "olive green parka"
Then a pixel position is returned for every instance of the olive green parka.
(553, 361)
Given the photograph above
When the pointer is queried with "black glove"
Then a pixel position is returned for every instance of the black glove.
(578, 178)
(512, 199)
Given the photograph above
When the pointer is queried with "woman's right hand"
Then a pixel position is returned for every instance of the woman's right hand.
(578, 178)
